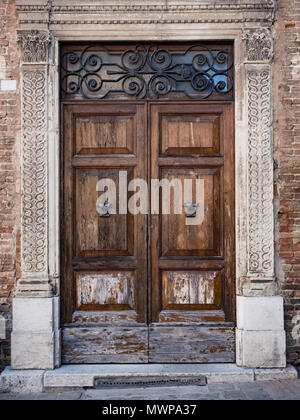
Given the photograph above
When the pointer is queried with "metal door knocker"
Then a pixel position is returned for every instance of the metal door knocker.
(191, 209)
(104, 209)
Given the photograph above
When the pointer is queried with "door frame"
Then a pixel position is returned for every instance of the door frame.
(41, 29)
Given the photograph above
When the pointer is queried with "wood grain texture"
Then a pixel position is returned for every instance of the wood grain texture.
(188, 134)
(105, 134)
(191, 290)
(191, 344)
(106, 290)
(179, 239)
(115, 344)
(96, 236)
(191, 317)
(103, 318)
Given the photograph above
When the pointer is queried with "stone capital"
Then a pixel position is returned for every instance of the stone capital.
(34, 46)
(260, 45)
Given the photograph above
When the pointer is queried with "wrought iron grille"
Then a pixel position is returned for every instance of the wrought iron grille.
(196, 72)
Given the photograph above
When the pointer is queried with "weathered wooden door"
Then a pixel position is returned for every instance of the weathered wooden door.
(193, 265)
(152, 287)
(105, 258)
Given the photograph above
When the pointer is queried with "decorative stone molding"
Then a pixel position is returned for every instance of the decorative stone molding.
(34, 220)
(34, 242)
(134, 6)
(100, 21)
(259, 49)
(104, 12)
(261, 224)
(259, 44)
(34, 46)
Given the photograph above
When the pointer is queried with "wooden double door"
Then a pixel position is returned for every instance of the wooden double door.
(147, 288)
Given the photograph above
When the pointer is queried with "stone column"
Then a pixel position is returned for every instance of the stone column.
(260, 320)
(36, 335)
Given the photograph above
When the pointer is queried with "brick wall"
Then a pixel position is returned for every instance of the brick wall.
(287, 155)
(9, 167)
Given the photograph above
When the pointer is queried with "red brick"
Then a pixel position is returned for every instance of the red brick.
(9, 168)
(287, 142)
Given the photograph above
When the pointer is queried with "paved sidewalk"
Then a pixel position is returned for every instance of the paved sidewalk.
(273, 390)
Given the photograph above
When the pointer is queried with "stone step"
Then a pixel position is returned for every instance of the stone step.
(69, 377)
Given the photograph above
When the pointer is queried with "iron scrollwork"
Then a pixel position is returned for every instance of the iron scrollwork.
(147, 72)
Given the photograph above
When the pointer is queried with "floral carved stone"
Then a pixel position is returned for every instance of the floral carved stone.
(34, 46)
(259, 44)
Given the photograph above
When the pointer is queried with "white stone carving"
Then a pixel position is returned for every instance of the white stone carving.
(259, 44)
(34, 239)
(70, 12)
(261, 218)
(34, 46)
(151, 6)
(34, 214)
(146, 5)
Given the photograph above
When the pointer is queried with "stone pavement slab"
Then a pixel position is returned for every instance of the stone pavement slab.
(269, 390)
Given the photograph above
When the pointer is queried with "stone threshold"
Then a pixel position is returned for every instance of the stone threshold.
(70, 377)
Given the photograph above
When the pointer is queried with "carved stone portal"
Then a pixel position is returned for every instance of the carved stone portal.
(147, 20)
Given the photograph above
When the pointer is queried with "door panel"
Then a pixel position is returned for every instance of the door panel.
(179, 239)
(106, 291)
(191, 290)
(191, 344)
(192, 267)
(108, 344)
(104, 258)
(100, 236)
(105, 134)
(190, 134)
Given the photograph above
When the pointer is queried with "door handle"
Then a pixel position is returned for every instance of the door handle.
(191, 209)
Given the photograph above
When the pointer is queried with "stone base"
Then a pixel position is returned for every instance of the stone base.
(83, 376)
(33, 350)
(260, 335)
(35, 340)
(261, 349)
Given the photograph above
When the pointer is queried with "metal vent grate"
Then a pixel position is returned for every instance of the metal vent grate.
(148, 382)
